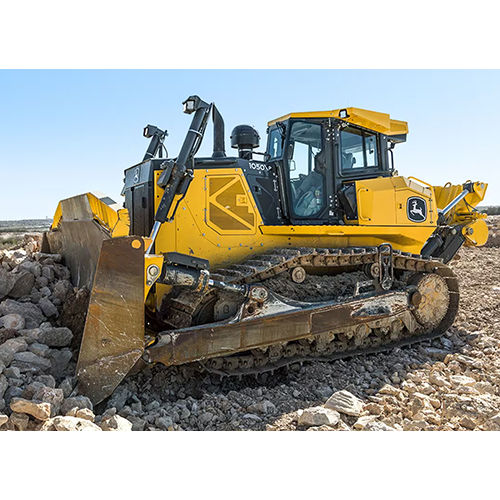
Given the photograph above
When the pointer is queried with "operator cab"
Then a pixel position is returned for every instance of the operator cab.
(320, 155)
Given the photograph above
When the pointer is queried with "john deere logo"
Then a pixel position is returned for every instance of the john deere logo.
(416, 209)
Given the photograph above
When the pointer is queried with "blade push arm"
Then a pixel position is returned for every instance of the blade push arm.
(177, 175)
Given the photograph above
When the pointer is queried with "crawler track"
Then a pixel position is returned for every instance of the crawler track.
(431, 319)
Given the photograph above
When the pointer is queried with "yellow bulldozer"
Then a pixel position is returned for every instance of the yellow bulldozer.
(313, 249)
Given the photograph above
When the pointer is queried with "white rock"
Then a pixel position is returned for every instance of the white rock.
(390, 390)
(345, 402)
(115, 423)
(317, 416)
(378, 426)
(69, 424)
(362, 422)
(436, 378)
(458, 380)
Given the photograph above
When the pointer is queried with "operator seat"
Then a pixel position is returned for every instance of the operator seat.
(306, 193)
(348, 161)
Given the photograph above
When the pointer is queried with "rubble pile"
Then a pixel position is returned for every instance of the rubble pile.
(493, 222)
(452, 383)
(37, 363)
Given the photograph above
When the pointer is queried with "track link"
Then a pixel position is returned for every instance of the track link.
(379, 336)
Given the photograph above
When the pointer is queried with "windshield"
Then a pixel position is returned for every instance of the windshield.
(275, 144)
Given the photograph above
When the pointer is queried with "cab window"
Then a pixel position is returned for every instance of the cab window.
(358, 149)
(306, 169)
(275, 145)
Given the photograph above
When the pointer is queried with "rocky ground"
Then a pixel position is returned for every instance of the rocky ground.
(450, 384)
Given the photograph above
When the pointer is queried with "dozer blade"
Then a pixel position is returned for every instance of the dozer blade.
(113, 339)
(81, 224)
(79, 242)
(78, 237)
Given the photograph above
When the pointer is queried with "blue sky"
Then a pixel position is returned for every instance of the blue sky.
(66, 132)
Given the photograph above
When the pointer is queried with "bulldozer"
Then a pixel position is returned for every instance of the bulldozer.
(314, 249)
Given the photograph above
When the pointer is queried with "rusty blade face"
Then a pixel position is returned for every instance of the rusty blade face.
(113, 339)
(79, 242)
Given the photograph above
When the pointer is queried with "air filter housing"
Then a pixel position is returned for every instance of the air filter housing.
(245, 138)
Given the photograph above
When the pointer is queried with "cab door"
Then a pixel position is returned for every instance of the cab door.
(308, 169)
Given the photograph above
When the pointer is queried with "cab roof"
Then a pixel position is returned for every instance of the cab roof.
(373, 120)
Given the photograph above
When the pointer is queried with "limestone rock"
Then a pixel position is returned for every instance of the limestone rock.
(484, 387)
(420, 402)
(345, 402)
(69, 424)
(390, 390)
(3, 419)
(318, 416)
(374, 408)
(458, 380)
(85, 413)
(478, 408)
(436, 378)
(415, 425)
(41, 411)
(378, 426)
(115, 423)
(362, 422)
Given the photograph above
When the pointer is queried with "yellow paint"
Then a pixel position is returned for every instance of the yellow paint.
(476, 233)
(234, 230)
(464, 209)
(218, 220)
(150, 260)
(373, 120)
(115, 221)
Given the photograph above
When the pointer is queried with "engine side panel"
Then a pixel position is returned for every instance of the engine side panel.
(219, 220)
